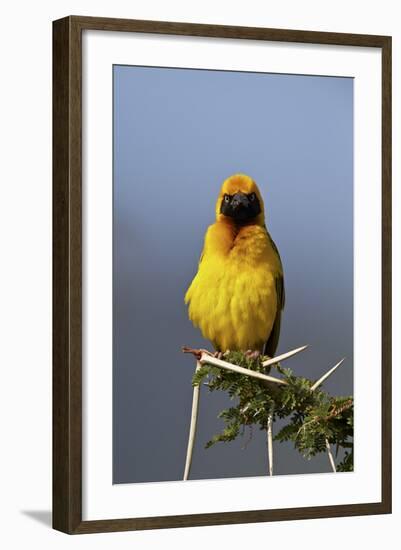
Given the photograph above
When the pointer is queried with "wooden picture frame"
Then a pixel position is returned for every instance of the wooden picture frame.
(67, 273)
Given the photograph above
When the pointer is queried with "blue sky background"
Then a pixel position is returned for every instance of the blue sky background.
(178, 133)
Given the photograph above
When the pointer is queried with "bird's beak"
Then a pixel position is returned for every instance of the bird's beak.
(239, 200)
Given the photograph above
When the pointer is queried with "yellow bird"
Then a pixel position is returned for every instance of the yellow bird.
(237, 295)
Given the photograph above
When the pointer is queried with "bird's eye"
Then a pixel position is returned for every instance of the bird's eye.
(252, 196)
(227, 198)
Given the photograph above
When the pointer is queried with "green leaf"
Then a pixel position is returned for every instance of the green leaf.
(311, 417)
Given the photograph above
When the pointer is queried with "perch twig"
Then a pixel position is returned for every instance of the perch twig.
(204, 357)
(209, 360)
(193, 425)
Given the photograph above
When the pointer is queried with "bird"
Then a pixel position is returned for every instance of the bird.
(237, 295)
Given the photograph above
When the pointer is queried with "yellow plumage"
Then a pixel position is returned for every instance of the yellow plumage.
(237, 294)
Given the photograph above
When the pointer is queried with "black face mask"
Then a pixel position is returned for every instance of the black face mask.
(241, 207)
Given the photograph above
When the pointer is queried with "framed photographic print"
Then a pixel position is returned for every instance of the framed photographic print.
(222, 274)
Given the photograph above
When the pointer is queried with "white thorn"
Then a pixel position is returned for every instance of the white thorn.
(283, 356)
(325, 376)
(270, 442)
(330, 455)
(313, 388)
(208, 360)
(192, 428)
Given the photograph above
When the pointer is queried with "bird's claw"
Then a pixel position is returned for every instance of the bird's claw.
(252, 354)
(197, 352)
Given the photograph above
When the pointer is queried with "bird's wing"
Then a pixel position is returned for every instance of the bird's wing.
(201, 257)
(272, 342)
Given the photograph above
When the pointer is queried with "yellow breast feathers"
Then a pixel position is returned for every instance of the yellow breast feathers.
(233, 298)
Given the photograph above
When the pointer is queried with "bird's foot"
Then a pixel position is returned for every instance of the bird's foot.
(252, 354)
(197, 352)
